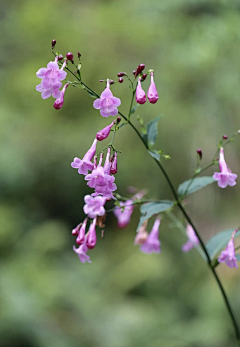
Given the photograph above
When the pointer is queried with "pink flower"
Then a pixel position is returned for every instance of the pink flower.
(140, 94)
(94, 206)
(59, 102)
(103, 134)
(81, 234)
(124, 215)
(84, 165)
(92, 236)
(225, 177)
(193, 240)
(152, 244)
(113, 169)
(108, 103)
(152, 91)
(142, 234)
(228, 255)
(81, 251)
(51, 77)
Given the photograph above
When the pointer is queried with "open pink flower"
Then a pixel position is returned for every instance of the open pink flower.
(152, 244)
(193, 240)
(94, 206)
(225, 177)
(84, 165)
(81, 251)
(152, 91)
(107, 104)
(228, 255)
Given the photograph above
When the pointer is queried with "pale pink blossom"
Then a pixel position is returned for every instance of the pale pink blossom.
(91, 235)
(81, 251)
(107, 104)
(140, 94)
(152, 244)
(59, 102)
(193, 240)
(81, 234)
(84, 165)
(152, 91)
(228, 255)
(142, 234)
(225, 177)
(113, 169)
(103, 134)
(94, 206)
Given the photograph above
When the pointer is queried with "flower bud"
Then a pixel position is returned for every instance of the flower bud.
(59, 102)
(101, 80)
(140, 68)
(113, 169)
(119, 119)
(111, 81)
(134, 72)
(140, 94)
(121, 74)
(225, 137)
(103, 134)
(79, 54)
(53, 43)
(152, 91)
(92, 236)
(199, 152)
(75, 231)
(69, 56)
(120, 80)
(144, 76)
(81, 235)
(60, 57)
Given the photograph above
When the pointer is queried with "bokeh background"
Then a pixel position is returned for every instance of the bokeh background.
(124, 298)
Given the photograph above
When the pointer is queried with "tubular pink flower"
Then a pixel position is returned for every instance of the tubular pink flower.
(103, 134)
(92, 236)
(124, 215)
(59, 102)
(142, 234)
(107, 164)
(107, 104)
(94, 206)
(75, 231)
(84, 165)
(152, 244)
(140, 94)
(81, 235)
(113, 169)
(152, 91)
(225, 177)
(51, 77)
(228, 255)
(193, 240)
(81, 251)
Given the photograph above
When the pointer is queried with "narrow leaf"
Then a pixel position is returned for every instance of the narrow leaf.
(219, 241)
(151, 208)
(191, 186)
(155, 155)
(133, 110)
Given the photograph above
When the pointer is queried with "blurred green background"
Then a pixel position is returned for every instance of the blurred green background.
(124, 298)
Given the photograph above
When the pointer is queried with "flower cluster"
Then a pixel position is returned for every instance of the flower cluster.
(152, 92)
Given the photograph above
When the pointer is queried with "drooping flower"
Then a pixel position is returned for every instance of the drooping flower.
(51, 79)
(59, 102)
(81, 234)
(225, 177)
(107, 104)
(152, 91)
(228, 255)
(94, 206)
(92, 236)
(140, 94)
(152, 244)
(113, 169)
(81, 251)
(124, 212)
(103, 134)
(193, 240)
(84, 165)
(142, 234)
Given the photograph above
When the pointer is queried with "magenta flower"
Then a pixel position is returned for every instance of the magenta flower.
(225, 177)
(140, 94)
(193, 240)
(59, 102)
(152, 91)
(142, 234)
(152, 244)
(113, 169)
(94, 206)
(81, 251)
(107, 104)
(81, 234)
(103, 134)
(228, 255)
(92, 236)
(84, 165)
(124, 214)
(51, 77)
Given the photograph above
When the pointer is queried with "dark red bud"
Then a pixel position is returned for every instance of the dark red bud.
(79, 54)
(144, 76)
(53, 43)
(60, 57)
(120, 80)
(199, 152)
(111, 81)
(140, 68)
(121, 74)
(119, 119)
(69, 56)
(101, 80)
(134, 72)
(225, 137)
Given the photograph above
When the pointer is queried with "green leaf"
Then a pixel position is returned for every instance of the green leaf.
(155, 154)
(152, 131)
(91, 94)
(133, 110)
(151, 208)
(191, 186)
(219, 242)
